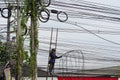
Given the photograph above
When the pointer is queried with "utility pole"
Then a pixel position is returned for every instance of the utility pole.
(19, 43)
(8, 35)
(8, 25)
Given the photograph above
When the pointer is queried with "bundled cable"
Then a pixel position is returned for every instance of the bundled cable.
(44, 15)
(3, 12)
(45, 3)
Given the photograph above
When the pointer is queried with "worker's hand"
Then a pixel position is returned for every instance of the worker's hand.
(60, 56)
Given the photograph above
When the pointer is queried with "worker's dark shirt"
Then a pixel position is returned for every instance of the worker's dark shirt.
(53, 57)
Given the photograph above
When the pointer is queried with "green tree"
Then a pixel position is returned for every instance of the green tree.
(3, 53)
(31, 11)
(32, 8)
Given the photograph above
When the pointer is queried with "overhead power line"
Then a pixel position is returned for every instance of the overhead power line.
(75, 24)
(75, 10)
(88, 7)
(82, 31)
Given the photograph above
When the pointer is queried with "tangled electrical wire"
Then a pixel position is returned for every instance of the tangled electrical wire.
(44, 14)
(94, 11)
(4, 14)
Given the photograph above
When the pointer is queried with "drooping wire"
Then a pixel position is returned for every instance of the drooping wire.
(75, 24)
(86, 7)
(92, 15)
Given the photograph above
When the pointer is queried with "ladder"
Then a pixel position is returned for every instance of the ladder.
(52, 45)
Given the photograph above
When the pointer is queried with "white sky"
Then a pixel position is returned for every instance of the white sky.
(108, 2)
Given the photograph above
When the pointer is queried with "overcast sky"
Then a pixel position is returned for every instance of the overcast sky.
(108, 2)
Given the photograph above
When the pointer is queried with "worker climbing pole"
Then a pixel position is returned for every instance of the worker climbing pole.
(52, 54)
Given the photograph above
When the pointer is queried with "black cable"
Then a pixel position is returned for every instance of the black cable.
(101, 5)
(45, 3)
(69, 45)
(64, 13)
(75, 24)
(95, 5)
(81, 31)
(3, 28)
(97, 35)
(91, 53)
(9, 13)
(101, 16)
(43, 18)
(94, 16)
(85, 7)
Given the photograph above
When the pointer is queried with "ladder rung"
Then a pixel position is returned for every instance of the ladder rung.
(53, 43)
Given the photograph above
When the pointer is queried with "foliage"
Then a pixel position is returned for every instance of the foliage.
(31, 11)
(13, 53)
(3, 53)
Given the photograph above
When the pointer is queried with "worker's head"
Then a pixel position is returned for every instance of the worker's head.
(53, 50)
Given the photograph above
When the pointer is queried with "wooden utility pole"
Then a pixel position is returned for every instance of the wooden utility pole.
(8, 26)
(8, 35)
(19, 40)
